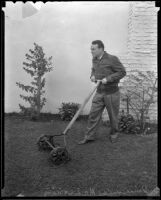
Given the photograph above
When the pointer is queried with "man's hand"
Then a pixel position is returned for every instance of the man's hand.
(93, 79)
(104, 81)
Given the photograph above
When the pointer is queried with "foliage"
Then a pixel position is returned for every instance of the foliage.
(139, 91)
(68, 110)
(128, 124)
(36, 65)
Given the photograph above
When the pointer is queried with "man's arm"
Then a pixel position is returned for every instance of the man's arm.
(119, 70)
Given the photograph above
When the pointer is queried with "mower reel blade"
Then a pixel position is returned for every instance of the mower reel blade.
(59, 155)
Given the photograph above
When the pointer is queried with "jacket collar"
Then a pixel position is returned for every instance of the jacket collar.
(105, 54)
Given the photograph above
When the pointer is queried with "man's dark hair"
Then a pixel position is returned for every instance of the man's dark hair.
(99, 43)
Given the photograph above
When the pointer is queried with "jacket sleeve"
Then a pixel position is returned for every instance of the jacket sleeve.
(119, 70)
(92, 72)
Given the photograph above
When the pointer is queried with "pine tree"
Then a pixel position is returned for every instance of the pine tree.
(36, 65)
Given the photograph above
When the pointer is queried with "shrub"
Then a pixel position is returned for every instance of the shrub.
(68, 110)
(139, 91)
(128, 124)
(37, 65)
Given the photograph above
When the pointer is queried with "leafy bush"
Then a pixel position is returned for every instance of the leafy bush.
(37, 65)
(128, 124)
(68, 110)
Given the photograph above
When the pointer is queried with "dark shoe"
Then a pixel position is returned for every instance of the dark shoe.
(85, 140)
(114, 137)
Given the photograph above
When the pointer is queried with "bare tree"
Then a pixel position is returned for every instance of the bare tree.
(139, 91)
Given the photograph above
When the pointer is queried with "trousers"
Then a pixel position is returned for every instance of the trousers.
(101, 101)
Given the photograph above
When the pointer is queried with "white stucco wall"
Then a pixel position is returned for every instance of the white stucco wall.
(65, 31)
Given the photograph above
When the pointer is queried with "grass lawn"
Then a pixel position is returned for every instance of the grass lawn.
(128, 167)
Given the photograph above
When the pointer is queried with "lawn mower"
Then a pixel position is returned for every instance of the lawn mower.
(60, 154)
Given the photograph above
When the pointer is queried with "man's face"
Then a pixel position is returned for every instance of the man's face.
(95, 50)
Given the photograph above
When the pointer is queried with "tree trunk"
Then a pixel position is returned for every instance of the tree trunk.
(38, 96)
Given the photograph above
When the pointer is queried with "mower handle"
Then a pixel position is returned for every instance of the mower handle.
(81, 108)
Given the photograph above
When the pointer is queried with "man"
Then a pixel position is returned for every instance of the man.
(109, 70)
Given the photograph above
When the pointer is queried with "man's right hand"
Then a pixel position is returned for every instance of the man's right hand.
(93, 79)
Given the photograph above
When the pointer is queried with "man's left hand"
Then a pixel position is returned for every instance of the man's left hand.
(104, 81)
